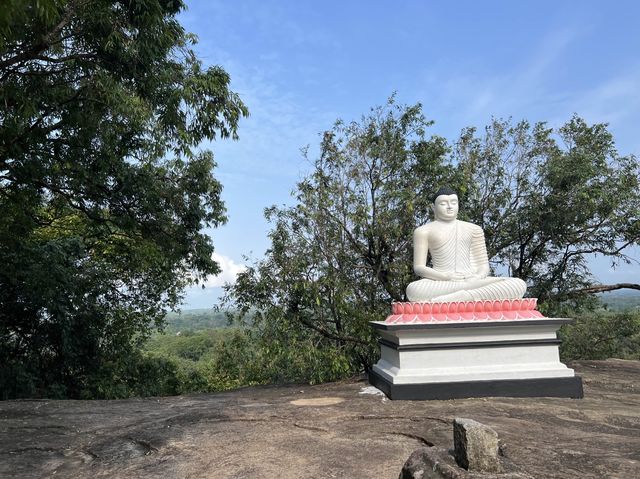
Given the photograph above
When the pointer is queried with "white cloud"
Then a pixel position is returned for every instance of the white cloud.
(230, 270)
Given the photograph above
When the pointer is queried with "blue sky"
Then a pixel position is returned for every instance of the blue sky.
(301, 65)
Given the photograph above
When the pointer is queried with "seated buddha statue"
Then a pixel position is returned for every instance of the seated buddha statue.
(460, 266)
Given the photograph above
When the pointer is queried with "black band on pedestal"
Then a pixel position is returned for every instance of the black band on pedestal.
(540, 387)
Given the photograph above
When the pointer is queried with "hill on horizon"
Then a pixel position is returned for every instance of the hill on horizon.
(198, 319)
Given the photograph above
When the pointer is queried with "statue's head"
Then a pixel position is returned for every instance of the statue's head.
(445, 204)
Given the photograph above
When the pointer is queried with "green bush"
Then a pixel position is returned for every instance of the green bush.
(209, 360)
(138, 375)
(222, 359)
(303, 361)
(188, 345)
(602, 335)
(17, 380)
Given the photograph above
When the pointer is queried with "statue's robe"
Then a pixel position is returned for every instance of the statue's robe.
(460, 248)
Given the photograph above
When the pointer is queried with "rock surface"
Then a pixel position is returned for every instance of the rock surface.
(323, 431)
(437, 463)
(475, 446)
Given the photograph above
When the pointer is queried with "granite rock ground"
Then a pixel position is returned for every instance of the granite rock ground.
(337, 430)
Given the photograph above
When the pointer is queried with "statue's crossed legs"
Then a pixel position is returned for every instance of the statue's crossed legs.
(488, 288)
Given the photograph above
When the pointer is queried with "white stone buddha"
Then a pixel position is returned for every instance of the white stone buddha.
(460, 270)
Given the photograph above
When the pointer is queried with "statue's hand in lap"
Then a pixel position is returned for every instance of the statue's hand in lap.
(460, 266)
(462, 276)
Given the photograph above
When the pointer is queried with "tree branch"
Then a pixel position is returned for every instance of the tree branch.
(44, 43)
(601, 288)
(329, 334)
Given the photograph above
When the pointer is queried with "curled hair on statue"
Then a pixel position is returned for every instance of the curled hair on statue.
(444, 190)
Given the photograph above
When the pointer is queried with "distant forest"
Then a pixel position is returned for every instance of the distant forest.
(210, 318)
(195, 320)
(620, 301)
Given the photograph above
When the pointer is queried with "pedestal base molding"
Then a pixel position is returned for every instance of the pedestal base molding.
(471, 349)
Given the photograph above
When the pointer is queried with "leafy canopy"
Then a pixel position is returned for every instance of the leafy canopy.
(549, 199)
(545, 198)
(103, 192)
(342, 253)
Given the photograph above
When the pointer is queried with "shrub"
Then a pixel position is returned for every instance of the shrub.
(602, 335)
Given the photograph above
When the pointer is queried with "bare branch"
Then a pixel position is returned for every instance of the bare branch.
(329, 334)
(601, 288)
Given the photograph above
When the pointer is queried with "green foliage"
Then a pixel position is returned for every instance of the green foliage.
(195, 320)
(205, 361)
(102, 191)
(189, 345)
(546, 200)
(343, 252)
(130, 376)
(602, 335)
(221, 359)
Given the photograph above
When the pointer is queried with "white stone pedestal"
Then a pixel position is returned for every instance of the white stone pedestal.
(446, 360)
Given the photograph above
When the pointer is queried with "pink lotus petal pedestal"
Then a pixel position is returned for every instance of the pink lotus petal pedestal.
(465, 349)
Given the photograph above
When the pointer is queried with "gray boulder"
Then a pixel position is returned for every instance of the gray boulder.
(438, 463)
(476, 446)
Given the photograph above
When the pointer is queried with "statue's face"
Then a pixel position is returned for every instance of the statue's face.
(445, 207)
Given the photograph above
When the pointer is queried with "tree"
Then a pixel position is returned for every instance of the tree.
(548, 199)
(102, 190)
(342, 253)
